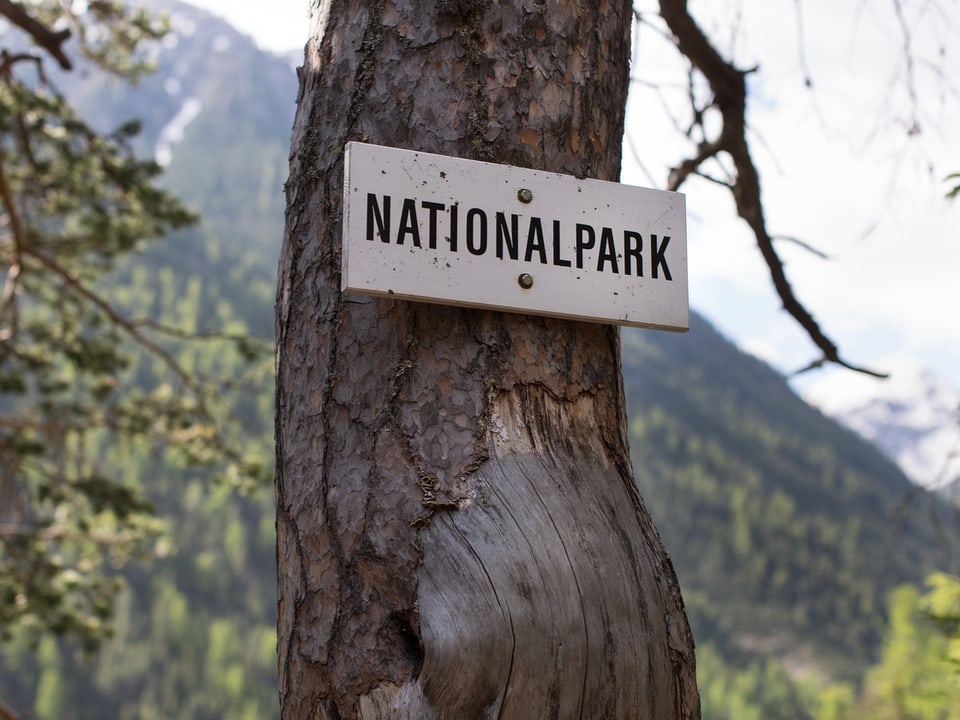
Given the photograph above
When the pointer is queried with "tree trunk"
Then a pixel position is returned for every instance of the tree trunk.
(459, 535)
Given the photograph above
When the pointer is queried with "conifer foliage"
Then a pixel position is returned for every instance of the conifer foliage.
(84, 379)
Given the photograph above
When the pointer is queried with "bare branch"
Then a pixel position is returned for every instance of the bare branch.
(801, 45)
(7, 61)
(820, 362)
(50, 41)
(176, 332)
(805, 245)
(692, 165)
(729, 87)
(715, 180)
(641, 19)
(637, 159)
(913, 127)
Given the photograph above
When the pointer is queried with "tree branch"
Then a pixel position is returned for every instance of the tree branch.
(119, 320)
(7, 713)
(802, 243)
(913, 126)
(8, 300)
(50, 41)
(7, 61)
(729, 87)
(691, 166)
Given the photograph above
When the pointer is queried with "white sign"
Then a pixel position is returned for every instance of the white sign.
(427, 227)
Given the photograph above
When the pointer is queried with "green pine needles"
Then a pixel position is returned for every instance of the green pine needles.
(97, 391)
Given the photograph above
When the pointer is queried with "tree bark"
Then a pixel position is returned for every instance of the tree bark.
(459, 534)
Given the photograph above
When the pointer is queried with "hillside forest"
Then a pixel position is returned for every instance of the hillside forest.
(137, 555)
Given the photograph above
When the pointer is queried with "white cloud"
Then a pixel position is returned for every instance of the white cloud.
(279, 25)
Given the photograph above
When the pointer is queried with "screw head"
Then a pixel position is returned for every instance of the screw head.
(524, 195)
(525, 281)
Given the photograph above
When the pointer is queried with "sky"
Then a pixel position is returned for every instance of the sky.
(851, 113)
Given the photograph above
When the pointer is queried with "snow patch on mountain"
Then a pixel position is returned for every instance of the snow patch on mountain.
(913, 417)
(172, 132)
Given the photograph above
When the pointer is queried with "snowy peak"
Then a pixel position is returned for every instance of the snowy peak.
(913, 417)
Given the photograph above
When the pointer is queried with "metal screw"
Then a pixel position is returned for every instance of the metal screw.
(525, 281)
(524, 195)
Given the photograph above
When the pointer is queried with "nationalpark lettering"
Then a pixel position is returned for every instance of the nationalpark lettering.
(452, 228)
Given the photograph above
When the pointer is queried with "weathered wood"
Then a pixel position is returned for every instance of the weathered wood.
(459, 535)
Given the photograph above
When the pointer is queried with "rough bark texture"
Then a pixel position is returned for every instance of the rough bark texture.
(459, 535)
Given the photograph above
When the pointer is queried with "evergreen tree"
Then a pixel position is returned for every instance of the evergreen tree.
(84, 382)
(912, 679)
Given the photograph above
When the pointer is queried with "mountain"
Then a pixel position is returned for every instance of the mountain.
(913, 417)
(787, 530)
(217, 114)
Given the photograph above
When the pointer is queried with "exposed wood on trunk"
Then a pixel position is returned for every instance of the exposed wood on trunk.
(459, 535)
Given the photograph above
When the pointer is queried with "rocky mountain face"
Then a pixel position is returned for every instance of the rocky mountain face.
(913, 417)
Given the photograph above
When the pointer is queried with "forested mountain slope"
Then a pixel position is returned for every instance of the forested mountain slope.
(786, 530)
(194, 634)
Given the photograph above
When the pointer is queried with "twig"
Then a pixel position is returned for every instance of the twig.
(50, 41)
(801, 46)
(805, 245)
(176, 332)
(820, 362)
(637, 159)
(679, 174)
(119, 320)
(7, 61)
(914, 126)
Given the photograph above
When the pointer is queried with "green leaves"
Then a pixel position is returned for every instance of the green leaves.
(942, 605)
(110, 34)
(955, 190)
